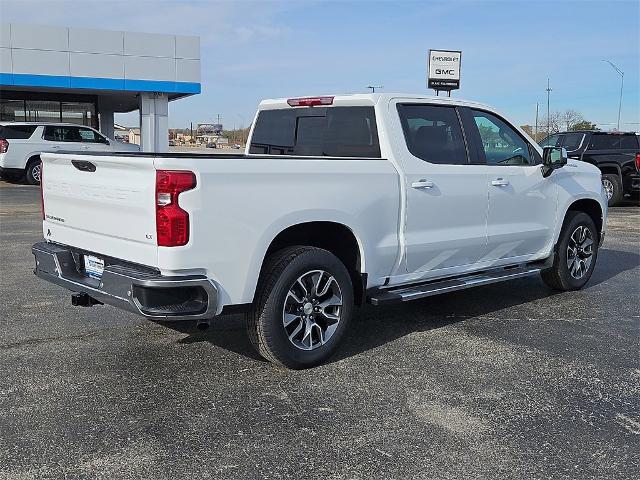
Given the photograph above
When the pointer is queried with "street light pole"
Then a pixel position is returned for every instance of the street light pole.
(549, 89)
(535, 133)
(621, 73)
(373, 87)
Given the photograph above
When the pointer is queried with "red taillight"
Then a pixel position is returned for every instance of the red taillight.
(638, 162)
(4, 145)
(310, 101)
(172, 223)
(42, 189)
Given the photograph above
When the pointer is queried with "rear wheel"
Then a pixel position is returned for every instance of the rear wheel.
(613, 188)
(304, 303)
(33, 171)
(575, 253)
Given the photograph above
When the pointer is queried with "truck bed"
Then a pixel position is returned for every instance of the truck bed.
(112, 210)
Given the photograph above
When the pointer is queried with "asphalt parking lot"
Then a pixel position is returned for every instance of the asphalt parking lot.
(510, 380)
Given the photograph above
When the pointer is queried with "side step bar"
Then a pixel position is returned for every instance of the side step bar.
(405, 293)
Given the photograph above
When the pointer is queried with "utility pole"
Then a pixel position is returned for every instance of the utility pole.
(373, 87)
(535, 132)
(621, 73)
(241, 128)
(549, 89)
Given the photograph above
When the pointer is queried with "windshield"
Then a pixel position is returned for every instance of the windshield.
(550, 141)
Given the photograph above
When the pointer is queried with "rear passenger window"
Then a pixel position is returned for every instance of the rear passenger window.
(433, 133)
(613, 141)
(604, 142)
(62, 134)
(317, 131)
(629, 142)
(17, 132)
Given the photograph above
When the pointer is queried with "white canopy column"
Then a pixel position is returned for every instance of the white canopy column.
(154, 122)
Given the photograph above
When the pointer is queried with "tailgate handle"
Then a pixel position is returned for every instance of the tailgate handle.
(83, 165)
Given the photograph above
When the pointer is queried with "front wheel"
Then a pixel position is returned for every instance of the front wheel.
(303, 305)
(575, 253)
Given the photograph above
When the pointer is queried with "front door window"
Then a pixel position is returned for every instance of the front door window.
(502, 145)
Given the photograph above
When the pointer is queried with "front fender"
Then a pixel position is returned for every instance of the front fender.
(578, 181)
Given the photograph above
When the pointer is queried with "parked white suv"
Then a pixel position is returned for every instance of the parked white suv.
(338, 201)
(21, 144)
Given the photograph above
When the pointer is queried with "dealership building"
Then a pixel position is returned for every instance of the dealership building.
(84, 76)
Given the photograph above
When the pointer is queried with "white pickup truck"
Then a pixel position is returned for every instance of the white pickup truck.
(338, 200)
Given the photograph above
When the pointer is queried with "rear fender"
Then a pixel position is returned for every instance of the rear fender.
(296, 218)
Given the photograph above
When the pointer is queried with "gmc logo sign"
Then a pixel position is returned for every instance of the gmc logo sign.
(440, 71)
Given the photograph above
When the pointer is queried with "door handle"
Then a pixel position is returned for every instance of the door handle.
(500, 182)
(422, 183)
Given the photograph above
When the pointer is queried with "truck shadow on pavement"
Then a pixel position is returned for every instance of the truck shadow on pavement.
(372, 327)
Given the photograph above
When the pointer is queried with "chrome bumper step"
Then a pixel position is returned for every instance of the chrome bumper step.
(405, 293)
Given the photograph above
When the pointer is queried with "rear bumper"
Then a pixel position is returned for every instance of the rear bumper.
(11, 171)
(133, 288)
(633, 183)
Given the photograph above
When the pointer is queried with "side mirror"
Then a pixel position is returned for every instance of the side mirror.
(552, 159)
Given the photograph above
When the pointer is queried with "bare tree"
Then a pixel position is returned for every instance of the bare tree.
(554, 125)
(570, 118)
(561, 121)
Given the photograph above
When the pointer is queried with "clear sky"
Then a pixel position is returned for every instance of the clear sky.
(255, 50)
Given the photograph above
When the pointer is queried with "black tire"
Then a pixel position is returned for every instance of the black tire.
(615, 183)
(559, 276)
(265, 320)
(32, 172)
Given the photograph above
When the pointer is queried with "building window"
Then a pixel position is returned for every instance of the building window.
(80, 113)
(51, 111)
(12, 110)
(42, 111)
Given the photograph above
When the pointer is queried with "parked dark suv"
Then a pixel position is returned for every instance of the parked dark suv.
(617, 155)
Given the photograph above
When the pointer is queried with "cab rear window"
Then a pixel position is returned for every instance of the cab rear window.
(17, 132)
(317, 131)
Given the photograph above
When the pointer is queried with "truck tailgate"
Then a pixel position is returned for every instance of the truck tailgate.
(101, 203)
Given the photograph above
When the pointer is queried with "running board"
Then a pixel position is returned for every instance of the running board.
(405, 293)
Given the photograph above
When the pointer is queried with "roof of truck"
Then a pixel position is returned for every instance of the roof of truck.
(372, 99)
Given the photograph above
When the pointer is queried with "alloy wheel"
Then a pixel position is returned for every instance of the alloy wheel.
(35, 171)
(608, 187)
(580, 252)
(312, 310)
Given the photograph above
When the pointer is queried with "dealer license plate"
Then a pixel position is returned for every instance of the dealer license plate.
(93, 266)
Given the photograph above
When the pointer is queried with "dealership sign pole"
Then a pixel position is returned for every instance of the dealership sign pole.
(444, 70)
